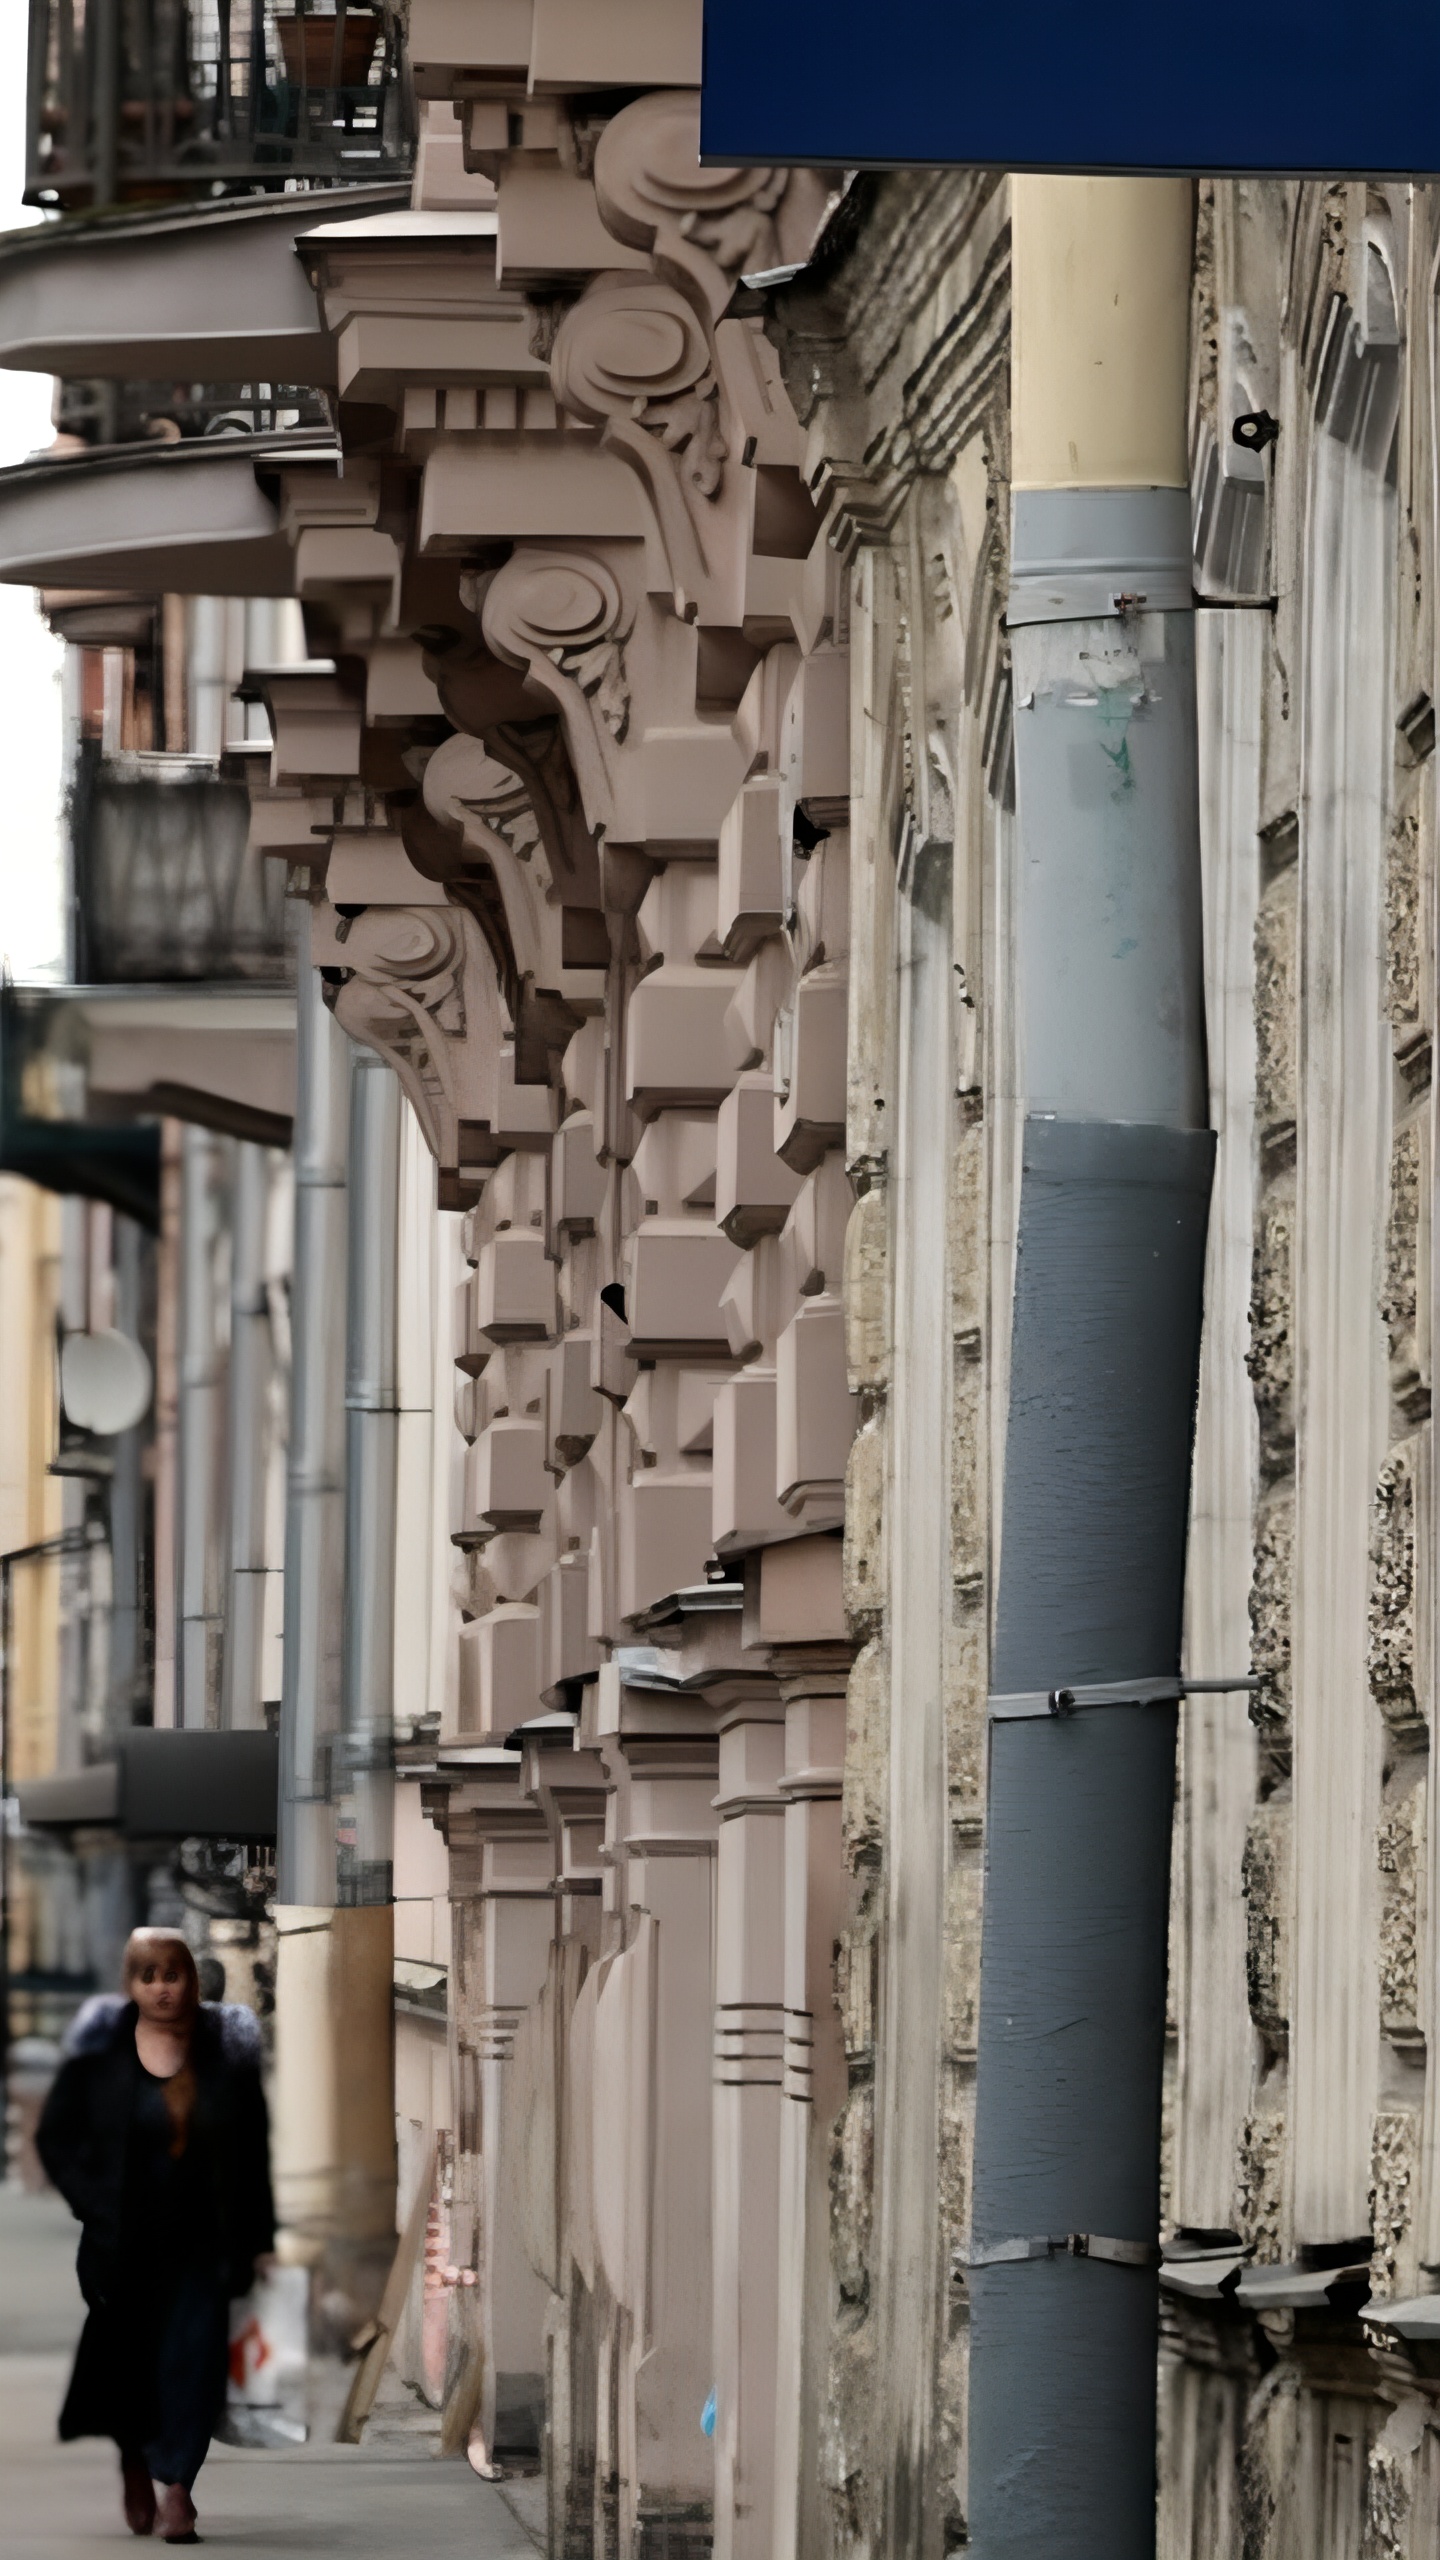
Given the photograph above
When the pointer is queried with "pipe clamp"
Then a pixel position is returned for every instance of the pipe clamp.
(1020, 1705)
(1070, 2244)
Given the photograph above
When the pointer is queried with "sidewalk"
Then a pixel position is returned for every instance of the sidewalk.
(61, 2502)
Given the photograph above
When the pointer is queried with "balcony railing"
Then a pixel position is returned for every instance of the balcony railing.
(167, 885)
(110, 413)
(148, 101)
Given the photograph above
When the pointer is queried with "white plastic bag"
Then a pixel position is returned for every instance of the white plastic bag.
(265, 2402)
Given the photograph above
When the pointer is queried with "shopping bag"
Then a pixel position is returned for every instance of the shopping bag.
(265, 2400)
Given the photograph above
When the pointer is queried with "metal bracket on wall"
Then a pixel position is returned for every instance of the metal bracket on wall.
(1022, 1704)
(1069, 2244)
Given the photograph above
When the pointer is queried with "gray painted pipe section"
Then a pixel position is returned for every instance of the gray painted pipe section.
(1103, 1364)
(1108, 926)
(1062, 2355)
(1104, 1361)
(242, 1696)
(372, 1427)
(315, 1474)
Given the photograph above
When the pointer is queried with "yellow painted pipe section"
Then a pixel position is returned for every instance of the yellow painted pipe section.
(1100, 355)
(333, 2146)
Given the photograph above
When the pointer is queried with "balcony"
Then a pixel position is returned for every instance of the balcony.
(167, 886)
(185, 518)
(147, 101)
(208, 294)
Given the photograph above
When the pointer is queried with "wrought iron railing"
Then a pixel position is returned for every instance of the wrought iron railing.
(108, 413)
(148, 101)
(167, 886)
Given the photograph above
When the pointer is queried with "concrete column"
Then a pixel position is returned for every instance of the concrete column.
(911, 1948)
(750, 1897)
(654, 2037)
(812, 1680)
(568, 1785)
(502, 1887)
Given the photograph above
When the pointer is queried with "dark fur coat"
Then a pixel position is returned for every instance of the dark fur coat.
(84, 2126)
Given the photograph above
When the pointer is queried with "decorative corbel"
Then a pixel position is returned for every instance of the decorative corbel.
(704, 227)
(563, 617)
(491, 700)
(559, 953)
(418, 985)
(634, 357)
(622, 673)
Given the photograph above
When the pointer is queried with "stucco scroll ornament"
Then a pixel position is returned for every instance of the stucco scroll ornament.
(634, 358)
(420, 989)
(562, 617)
(704, 227)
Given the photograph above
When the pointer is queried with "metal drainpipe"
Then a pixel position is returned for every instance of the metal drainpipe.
(105, 106)
(315, 1474)
(372, 1432)
(242, 1702)
(1114, 1198)
(334, 2115)
(201, 1629)
(127, 1496)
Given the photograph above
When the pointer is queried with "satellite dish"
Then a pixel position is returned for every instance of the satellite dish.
(105, 1382)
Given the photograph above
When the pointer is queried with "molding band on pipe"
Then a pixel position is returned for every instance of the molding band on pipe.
(1083, 555)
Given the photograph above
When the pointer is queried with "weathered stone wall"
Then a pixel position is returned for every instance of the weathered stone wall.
(1303, 2426)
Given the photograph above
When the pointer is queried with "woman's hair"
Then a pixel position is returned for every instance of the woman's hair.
(153, 1946)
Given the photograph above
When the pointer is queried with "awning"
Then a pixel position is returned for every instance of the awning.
(117, 1060)
(167, 1785)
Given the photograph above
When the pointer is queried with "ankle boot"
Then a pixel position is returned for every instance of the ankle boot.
(177, 2515)
(139, 2493)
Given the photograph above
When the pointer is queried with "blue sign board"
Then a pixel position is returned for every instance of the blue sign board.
(1298, 87)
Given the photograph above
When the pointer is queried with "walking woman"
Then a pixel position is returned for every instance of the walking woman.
(155, 2134)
